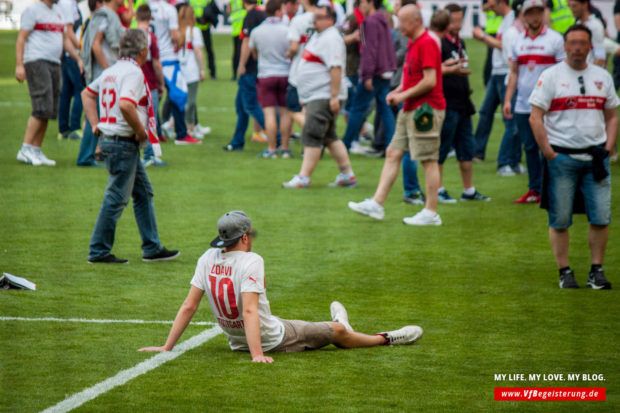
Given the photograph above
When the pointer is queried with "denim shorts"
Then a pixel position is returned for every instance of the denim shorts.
(292, 99)
(457, 132)
(566, 174)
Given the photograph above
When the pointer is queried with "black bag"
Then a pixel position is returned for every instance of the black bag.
(209, 14)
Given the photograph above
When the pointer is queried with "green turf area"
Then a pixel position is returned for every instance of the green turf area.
(483, 286)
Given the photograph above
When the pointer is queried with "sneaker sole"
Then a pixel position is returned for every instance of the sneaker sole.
(475, 200)
(599, 287)
(300, 186)
(363, 212)
(451, 201)
(161, 259)
(569, 288)
(334, 185)
(429, 224)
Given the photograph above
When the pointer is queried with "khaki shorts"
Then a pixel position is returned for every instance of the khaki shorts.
(423, 146)
(304, 335)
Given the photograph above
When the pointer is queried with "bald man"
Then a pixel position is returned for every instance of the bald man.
(419, 122)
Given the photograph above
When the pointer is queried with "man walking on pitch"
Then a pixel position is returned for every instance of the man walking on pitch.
(243, 312)
(127, 121)
(575, 122)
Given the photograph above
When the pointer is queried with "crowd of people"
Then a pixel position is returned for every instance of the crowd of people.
(302, 64)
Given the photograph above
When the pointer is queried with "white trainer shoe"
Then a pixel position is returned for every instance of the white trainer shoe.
(357, 148)
(424, 217)
(197, 133)
(520, 169)
(28, 156)
(341, 180)
(168, 130)
(44, 159)
(368, 207)
(339, 315)
(204, 130)
(296, 182)
(505, 170)
(406, 335)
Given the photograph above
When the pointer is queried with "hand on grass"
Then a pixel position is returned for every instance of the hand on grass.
(153, 349)
(262, 359)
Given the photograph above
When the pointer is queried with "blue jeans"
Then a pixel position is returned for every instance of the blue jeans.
(532, 153)
(361, 101)
(510, 147)
(127, 178)
(565, 176)
(410, 176)
(86, 155)
(69, 117)
(246, 105)
(457, 132)
(179, 120)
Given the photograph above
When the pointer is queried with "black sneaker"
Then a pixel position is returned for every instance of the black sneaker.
(567, 279)
(415, 199)
(476, 196)
(597, 280)
(107, 259)
(162, 255)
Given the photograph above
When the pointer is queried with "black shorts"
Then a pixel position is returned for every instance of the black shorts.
(320, 126)
(44, 84)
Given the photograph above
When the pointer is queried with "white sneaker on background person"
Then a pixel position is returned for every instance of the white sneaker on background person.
(204, 130)
(368, 207)
(27, 156)
(423, 218)
(44, 159)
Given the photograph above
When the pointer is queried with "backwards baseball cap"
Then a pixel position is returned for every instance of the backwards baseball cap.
(533, 4)
(231, 226)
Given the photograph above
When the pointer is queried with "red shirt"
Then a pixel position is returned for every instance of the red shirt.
(147, 68)
(423, 53)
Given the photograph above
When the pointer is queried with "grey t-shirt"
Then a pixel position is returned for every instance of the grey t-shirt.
(270, 41)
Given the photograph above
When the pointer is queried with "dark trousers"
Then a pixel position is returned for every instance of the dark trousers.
(206, 37)
(236, 55)
(69, 116)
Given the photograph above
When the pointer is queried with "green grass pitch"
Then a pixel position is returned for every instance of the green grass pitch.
(483, 286)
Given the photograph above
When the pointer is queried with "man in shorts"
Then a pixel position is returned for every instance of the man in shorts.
(418, 124)
(243, 312)
(39, 46)
(321, 87)
(268, 45)
(575, 123)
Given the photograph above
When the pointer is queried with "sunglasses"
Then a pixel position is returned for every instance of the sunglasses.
(582, 86)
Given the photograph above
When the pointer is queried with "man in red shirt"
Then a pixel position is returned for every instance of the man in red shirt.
(419, 123)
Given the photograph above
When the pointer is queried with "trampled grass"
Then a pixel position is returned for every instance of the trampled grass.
(483, 286)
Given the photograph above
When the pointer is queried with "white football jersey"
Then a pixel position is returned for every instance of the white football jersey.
(300, 30)
(574, 102)
(224, 276)
(46, 26)
(164, 19)
(122, 81)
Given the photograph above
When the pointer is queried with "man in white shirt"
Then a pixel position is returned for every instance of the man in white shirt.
(321, 86)
(233, 279)
(581, 12)
(127, 118)
(40, 42)
(575, 122)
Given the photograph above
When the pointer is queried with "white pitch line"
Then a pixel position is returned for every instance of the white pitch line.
(124, 376)
(89, 320)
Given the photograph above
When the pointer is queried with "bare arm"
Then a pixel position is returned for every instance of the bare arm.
(20, 70)
(251, 324)
(130, 114)
(98, 51)
(201, 62)
(71, 34)
(244, 56)
(89, 100)
(489, 40)
(254, 53)
(176, 38)
(292, 50)
(429, 80)
(540, 133)
(181, 321)
(70, 48)
(611, 128)
(513, 78)
(351, 38)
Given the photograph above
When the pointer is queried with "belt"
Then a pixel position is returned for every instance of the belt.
(131, 139)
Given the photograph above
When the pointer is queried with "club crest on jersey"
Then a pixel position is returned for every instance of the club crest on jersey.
(531, 65)
(598, 84)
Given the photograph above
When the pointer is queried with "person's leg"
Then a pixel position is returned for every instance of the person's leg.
(155, 99)
(487, 113)
(190, 107)
(359, 107)
(35, 131)
(532, 153)
(86, 155)
(236, 55)
(250, 99)
(432, 179)
(382, 88)
(597, 199)
(121, 160)
(144, 212)
(285, 126)
(64, 106)
(340, 155)
(75, 122)
(465, 148)
(312, 155)
(238, 140)
(447, 136)
(178, 114)
(206, 36)
(597, 239)
(344, 338)
(271, 127)
(389, 173)
(559, 240)
(410, 176)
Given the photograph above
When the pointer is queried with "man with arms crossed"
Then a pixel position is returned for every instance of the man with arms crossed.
(421, 88)
(575, 122)
(234, 280)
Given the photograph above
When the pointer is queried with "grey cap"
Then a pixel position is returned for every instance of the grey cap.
(533, 4)
(231, 226)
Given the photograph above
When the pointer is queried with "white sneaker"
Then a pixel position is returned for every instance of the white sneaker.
(197, 133)
(520, 169)
(406, 335)
(296, 182)
(357, 148)
(27, 156)
(339, 315)
(44, 159)
(368, 207)
(505, 170)
(341, 180)
(204, 130)
(168, 130)
(424, 217)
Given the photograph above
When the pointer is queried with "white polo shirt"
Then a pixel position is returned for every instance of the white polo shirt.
(574, 119)
(270, 41)
(224, 276)
(300, 30)
(164, 18)
(122, 81)
(533, 55)
(322, 52)
(46, 26)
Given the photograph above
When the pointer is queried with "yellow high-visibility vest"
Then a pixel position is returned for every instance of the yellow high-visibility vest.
(561, 16)
(237, 14)
(493, 22)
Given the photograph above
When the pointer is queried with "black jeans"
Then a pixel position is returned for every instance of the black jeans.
(206, 37)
